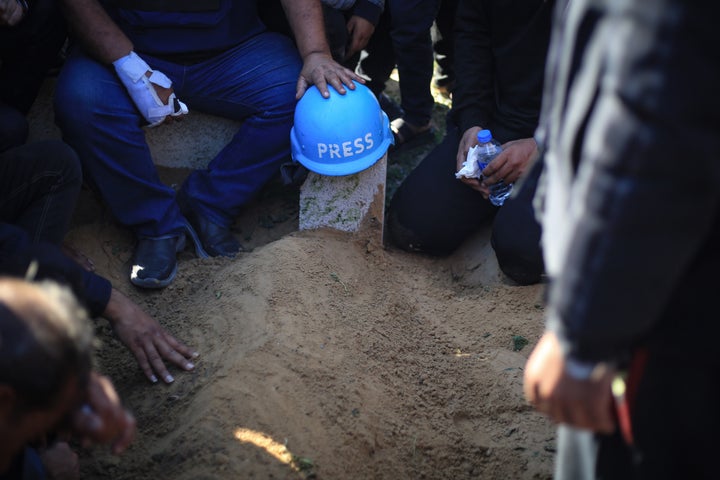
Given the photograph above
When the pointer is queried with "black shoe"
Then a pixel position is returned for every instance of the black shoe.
(154, 262)
(210, 238)
(408, 135)
(390, 107)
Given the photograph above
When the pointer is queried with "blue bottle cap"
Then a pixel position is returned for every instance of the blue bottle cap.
(484, 136)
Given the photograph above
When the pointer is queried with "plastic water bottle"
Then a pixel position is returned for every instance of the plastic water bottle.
(488, 149)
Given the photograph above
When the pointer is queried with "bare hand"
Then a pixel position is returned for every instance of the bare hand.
(146, 339)
(11, 13)
(360, 30)
(512, 162)
(103, 419)
(581, 403)
(320, 69)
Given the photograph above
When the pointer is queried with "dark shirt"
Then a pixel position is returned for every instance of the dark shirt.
(500, 54)
(17, 252)
(162, 29)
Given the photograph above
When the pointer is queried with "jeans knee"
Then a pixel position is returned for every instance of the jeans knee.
(59, 157)
(70, 102)
(82, 92)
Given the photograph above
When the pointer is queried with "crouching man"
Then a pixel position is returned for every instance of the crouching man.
(47, 382)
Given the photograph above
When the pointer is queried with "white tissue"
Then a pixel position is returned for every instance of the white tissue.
(470, 167)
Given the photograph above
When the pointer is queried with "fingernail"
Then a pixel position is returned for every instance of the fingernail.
(195, 354)
(169, 379)
(189, 366)
(153, 379)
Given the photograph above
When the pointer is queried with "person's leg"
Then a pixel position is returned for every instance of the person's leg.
(99, 120)
(39, 186)
(432, 211)
(336, 32)
(378, 60)
(410, 34)
(516, 233)
(375, 64)
(444, 46)
(254, 82)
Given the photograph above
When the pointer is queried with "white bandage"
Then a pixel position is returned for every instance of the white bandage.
(132, 72)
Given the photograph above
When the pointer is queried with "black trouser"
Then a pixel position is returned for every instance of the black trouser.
(433, 212)
(14, 127)
(402, 37)
(27, 51)
(444, 43)
(39, 186)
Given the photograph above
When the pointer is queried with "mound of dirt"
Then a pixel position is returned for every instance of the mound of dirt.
(324, 356)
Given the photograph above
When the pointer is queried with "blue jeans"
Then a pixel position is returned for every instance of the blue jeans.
(253, 82)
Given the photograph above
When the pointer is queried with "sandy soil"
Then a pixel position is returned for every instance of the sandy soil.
(324, 355)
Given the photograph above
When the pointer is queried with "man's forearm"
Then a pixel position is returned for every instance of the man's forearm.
(308, 26)
(97, 32)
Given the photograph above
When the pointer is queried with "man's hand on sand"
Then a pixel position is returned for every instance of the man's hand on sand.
(147, 339)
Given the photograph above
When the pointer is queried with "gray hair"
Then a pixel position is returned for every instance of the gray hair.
(46, 339)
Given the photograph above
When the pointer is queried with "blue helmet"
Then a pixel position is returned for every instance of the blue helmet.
(340, 135)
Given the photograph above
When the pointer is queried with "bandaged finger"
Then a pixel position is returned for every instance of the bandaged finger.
(132, 71)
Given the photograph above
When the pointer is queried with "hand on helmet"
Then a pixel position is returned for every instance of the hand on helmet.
(319, 69)
(146, 86)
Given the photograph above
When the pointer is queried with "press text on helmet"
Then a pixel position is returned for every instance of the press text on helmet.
(346, 149)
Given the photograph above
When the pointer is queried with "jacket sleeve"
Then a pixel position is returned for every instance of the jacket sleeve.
(17, 253)
(645, 196)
